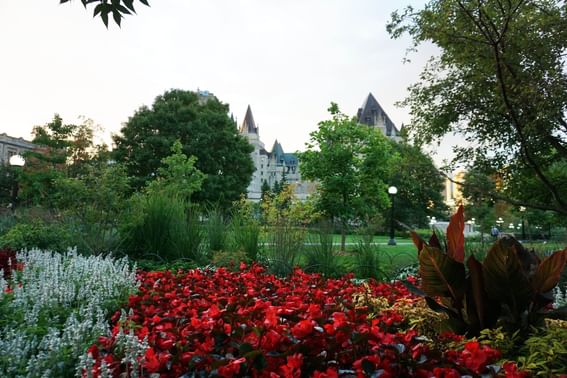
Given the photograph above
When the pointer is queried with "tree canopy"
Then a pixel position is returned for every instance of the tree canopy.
(64, 150)
(500, 82)
(204, 129)
(117, 8)
(419, 186)
(351, 163)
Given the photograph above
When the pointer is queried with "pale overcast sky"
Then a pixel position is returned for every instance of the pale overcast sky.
(288, 59)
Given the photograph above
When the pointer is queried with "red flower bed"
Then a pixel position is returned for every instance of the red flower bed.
(205, 323)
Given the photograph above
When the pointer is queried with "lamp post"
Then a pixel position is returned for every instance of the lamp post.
(499, 222)
(522, 211)
(392, 190)
(15, 161)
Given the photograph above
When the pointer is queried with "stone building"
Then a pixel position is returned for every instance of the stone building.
(10, 146)
(274, 165)
(271, 166)
(372, 114)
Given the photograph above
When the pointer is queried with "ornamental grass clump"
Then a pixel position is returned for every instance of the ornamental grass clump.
(511, 288)
(56, 306)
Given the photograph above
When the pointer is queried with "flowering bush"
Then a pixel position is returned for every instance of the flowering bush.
(249, 323)
(55, 307)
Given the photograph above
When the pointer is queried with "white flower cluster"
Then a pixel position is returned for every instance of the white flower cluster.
(560, 296)
(3, 284)
(126, 344)
(59, 305)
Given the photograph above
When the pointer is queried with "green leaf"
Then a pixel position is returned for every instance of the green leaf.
(130, 5)
(122, 9)
(117, 17)
(368, 367)
(441, 275)
(456, 236)
(438, 307)
(505, 280)
(477, 289)
(413, 289)
(99, 8)
(548, 273)
(104, 17)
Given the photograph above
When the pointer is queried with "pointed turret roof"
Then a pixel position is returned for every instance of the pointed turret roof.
(371, 112)
(248, 125)
(277, 151)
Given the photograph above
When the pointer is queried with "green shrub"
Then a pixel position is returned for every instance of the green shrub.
(37, 234)
(162, 227)
(509, 289)
(229, 260)
(246, 236)
(367, 259)
(545, 353)
(320, 256)
(285, 245)
(7, 221)
(216, 230)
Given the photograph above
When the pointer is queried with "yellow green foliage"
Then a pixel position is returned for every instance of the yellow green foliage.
(285, 206)
(545, 353)
(498, 339)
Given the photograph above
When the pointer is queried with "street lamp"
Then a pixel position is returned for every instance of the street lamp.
(15, 161)
(499, 222)
(392, 190)
(522, 211)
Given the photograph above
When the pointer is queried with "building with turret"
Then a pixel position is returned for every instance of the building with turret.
(274, 166)
(372, 114)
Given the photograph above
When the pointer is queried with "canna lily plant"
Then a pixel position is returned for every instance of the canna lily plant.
(511, 288)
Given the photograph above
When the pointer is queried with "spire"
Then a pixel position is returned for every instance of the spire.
(248, 125)
(372, 114)
(277, 151)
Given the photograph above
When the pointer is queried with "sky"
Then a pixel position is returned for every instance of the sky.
(287, 59)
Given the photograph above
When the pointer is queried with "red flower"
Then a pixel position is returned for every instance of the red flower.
(446, 373)
(293, 367)
(151, 362)
(232, 368)
(512, 370)
(302, 329)
(254, 324)
(329, 373)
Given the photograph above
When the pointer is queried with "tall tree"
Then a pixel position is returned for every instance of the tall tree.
(352, 163)
(419, 186)
(205, 130)
(64, 149)
(500, 81)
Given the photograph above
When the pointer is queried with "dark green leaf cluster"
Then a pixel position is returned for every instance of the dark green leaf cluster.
(510, 288)
(116, 8)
